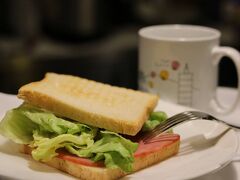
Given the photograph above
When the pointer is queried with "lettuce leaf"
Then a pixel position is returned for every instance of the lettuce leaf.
(155, 119)
(115, 150)
(47, 121)
(46, 133)
(17, 127)
(45, 148)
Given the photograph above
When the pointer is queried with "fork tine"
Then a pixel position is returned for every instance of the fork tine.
(165, 126)
(173, 119)
(176, 120)
(169, 123)
(161, 129)
(203, 115)
(163, 137)
(176, 116)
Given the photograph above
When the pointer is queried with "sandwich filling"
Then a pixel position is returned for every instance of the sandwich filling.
(47, 135)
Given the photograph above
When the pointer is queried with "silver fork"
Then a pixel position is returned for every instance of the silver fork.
(176, 120)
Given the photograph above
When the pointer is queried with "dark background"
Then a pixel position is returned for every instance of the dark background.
(97, 39)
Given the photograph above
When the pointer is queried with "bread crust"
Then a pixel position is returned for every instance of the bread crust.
(113, 108)
(101, 173)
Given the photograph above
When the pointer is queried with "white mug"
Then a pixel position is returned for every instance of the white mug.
(180, 64)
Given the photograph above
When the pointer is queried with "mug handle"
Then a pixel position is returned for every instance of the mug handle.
(218, 53)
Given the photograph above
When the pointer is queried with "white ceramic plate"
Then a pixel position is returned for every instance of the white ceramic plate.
(206, 147)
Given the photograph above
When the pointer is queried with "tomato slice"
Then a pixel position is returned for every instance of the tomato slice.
(156, 144)
(143, 150)
(79, 160)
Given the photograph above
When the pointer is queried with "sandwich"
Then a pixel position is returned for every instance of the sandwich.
(87, 129)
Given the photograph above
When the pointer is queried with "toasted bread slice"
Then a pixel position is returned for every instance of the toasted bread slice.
(101, 173)
(113, 108)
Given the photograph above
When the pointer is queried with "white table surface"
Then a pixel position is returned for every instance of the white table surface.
(230, 172)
